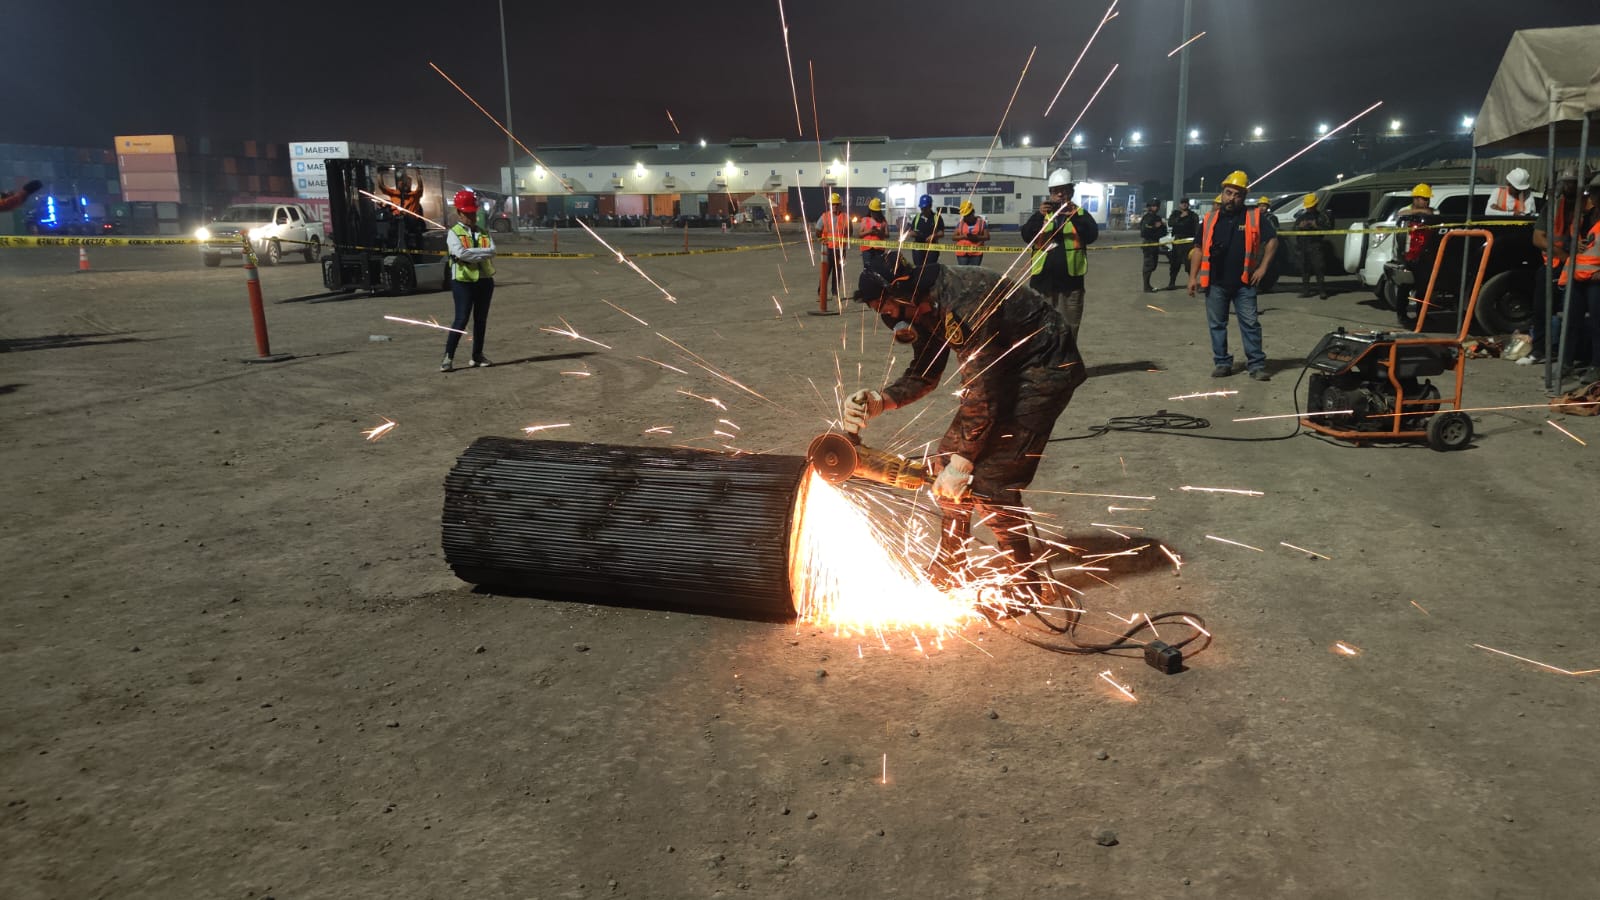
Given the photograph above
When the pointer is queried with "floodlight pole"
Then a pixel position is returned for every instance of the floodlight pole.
(511, 147)
(1181, 136)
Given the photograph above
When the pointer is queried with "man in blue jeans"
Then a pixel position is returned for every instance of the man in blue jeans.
(1232, 253)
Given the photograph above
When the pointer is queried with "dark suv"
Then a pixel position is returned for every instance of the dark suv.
(1505, 302)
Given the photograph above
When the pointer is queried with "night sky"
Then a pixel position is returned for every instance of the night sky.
(601, 72)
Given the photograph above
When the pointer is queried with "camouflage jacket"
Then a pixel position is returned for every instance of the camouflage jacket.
(1010, 344)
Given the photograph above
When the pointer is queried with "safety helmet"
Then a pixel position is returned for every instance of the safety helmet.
(1519, 178)
(1237, 179)
(875, 205)
(1217, 199)
(1422, 191)
(925, 202)
(1152, 202)
(966, 207)
(1061, 178)
(1264, 202)
(1568, 175)
(466, 201)
(834, 198)
(1310, 200)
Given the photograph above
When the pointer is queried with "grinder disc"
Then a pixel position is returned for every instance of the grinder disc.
(833, 457)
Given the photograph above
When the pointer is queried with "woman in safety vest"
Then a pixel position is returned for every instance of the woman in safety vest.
(471, 279)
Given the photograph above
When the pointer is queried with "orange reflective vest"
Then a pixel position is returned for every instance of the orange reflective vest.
(873, 229)
(1587, 263)
(1254, 252)
(963, 229)
(1518, 203)
(1561, 223)
(834, 228)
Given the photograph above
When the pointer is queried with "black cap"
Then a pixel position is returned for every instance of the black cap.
(1152, 202)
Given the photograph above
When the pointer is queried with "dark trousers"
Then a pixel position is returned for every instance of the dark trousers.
(1152, 255)
(974, 260)
(1177, 258)
(1313, 261)
(472, 300)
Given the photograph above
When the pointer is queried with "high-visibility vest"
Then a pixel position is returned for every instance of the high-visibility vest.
(1253, 251)
(1077, 260)
(1505, 195)
(873, 229)
(1587, 262)
(1561, 223)
(471, 271)
(833, 228)
(963, 229)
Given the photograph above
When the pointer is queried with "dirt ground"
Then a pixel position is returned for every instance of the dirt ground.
(235, 663)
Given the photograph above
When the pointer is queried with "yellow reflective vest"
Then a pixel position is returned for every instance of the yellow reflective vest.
(471, 271)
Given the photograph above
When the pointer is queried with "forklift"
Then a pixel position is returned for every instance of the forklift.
(376, 247)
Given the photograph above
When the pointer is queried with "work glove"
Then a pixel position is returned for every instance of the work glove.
(33, 186)
(953, 480)
(860, 408)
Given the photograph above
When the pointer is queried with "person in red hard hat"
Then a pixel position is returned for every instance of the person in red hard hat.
(471, 279)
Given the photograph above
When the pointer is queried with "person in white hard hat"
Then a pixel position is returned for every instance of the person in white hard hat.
(1515, 196)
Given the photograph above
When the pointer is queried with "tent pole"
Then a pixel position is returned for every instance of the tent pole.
(1461, 292)
(1572, 252)
(1549, 276)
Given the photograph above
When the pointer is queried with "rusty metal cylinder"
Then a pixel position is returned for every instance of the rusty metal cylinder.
(624, 525)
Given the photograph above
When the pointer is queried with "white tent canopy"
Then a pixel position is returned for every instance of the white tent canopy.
(1548, 76)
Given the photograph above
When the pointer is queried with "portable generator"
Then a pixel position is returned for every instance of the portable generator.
(1373, 385)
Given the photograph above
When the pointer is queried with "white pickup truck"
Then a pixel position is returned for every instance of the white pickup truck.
(274, 228)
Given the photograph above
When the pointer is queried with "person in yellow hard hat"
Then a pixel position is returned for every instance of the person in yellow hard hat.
(873, 227)
(972, 232)
(1421, 202)
(1232, 255)
(833, 230)
(1312, 249)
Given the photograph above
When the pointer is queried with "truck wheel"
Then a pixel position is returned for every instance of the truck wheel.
(1505, 302)
(313, 252)
(211, 260)
(1449, 431)
(1390, 293)
(274, 253)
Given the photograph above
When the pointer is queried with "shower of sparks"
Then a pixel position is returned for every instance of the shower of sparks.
(1213, 490)
(1566, 432)
(507, 132)
(572, 333)
(1203, 395)
(1331, 133)
(1129, 527)
(1151, 622)
(1127, 509)
(1078, 494)
(1103, 20)
(1070, 128)
(778, 305)
(1419, 607)
(393, 205)
(579, 373)
(793, 90)
(1304, 415)
(659, 429)
(886, 768)
(1106, 677)
(702, 363)
(1177, 561)
(730, 424)
(424, 324)
(1197, 626)
(1537, 663)
(1156, 308)
(626, 313)
(984, 166)
(380, 430)
(711, 400)
(677, 130)
(535, 429)
(1346, 649)
(1212, 537)
(1185, 44)
(1490, 408)
(624, 260)
(1303, 550)
(662, 364)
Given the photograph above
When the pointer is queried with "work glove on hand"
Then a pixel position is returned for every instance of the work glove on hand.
(953, 480)
(861, 407)
(33, 186)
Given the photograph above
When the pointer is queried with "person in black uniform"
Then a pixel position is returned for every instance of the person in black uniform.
(1183, 222)
(1152, 228)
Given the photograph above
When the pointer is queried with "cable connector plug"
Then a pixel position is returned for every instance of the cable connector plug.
(1163, 657)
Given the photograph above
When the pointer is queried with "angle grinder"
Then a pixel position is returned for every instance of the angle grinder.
(838, 457)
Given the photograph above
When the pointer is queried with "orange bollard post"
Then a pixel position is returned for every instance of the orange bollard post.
(258, 313)
(83, 259)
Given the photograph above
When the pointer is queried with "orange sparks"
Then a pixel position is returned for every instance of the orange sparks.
(1212, 537)
(1243, 492)
(1106, 677)
(380, 430)
(711, 400)
(625, 312)
(677, 130)
(1185, 44)
(535, 429)
(1304, 415)
(1156, 308)
(1565, 432)
(1197, 626)
(1342, 126)
(730, 424)
(1108, 16)
(423, 324)
(1419, 606)
(1303, 550)
(579, 373)
(886, 768)
(1078, 494)
(1129, 527)
(1346, 649)
(659, 429)
(662, 364)
(1177, 561)
(1127, 509)
(573, 334)
(1535, 662)
(1203, 395)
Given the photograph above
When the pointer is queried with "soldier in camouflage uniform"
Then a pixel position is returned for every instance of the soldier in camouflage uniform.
(1313, 249)
(1019, 366)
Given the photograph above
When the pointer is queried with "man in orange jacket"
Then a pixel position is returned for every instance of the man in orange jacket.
(833, 230)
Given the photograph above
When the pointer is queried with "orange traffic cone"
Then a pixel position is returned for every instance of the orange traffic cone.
(83, 259)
